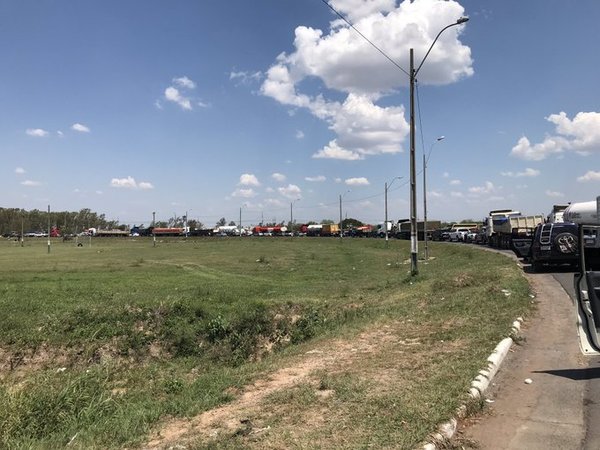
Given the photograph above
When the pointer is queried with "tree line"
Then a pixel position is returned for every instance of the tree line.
(15, 220)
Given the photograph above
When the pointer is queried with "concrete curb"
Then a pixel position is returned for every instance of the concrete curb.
(479, 385)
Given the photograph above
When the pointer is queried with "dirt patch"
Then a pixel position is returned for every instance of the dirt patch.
(235, 417)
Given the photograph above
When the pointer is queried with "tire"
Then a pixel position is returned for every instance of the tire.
(566, 243)
(538, 267)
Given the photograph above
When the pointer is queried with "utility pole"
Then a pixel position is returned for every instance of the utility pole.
(48, 229)
(413, 182)
(341, 223)
(385, 223)
(153, 226)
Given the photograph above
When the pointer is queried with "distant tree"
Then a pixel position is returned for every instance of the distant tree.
(232, 223)
(352, 223)
(327, 222)
(221, 222)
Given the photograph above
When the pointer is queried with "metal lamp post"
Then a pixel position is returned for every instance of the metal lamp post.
(425, 161)
(413, 182)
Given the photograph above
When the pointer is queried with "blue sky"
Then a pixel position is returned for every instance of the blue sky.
(207, 106)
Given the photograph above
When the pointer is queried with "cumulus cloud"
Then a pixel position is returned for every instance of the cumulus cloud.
(19, 171)
(172, 94)
(290, 191)
(487, 188)
(581, 135)
(334, 151)
(36, 132)
(345, 62)
(179, 93)
(244, 193)
(299, 134)
(526, 173)
(589, 176)
(130, 183)
(31, 183)
(278, 177)
(184, 82)
(248, 179)
(80, 128)
(455, 182)
(318, 178)
(361, 181)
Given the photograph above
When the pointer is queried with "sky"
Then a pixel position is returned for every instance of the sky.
(275, 108)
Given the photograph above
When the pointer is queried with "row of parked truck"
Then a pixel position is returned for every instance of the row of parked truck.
(540, 240)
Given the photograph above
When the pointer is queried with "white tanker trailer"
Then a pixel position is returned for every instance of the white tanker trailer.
(584, 213)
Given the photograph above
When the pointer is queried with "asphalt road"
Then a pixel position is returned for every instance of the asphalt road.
(560, 408)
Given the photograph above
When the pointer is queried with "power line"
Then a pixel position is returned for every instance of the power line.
(365, 38)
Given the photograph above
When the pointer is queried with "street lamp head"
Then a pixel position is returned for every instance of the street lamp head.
(462, 20)
(441, 138)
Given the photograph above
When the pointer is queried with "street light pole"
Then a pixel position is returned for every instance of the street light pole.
(413, 184)
(425, 196)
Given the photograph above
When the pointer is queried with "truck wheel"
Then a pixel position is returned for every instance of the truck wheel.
(566, 243)
(538, 267)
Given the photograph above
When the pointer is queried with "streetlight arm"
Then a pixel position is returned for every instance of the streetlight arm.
(458, 22)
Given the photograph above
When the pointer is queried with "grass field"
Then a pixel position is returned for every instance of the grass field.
(102, 345)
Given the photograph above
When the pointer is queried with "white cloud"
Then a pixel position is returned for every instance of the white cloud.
(172, 94)
(581, 135)
(80, 127)
(278, 177)
(526, 173)
(456, 194)
(19, 171)
(434, 194)
(248, 179)
(334, 151)
(145, 185)
(338, 180)
(299, 134)
(487, 188)
(244, 193)
(184, 82)
(554, 194)
(589, 176)
(130, 183)
(290, 191)
(275, 203)
(446, 175)
(318, 178)
(361, 181)
(344, 61)
(36, 132)
(31, 183)
(455, 182)
(246, 78)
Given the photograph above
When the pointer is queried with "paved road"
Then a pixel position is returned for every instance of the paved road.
(560, 409)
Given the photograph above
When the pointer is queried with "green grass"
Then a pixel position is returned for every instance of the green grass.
(102, 342)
